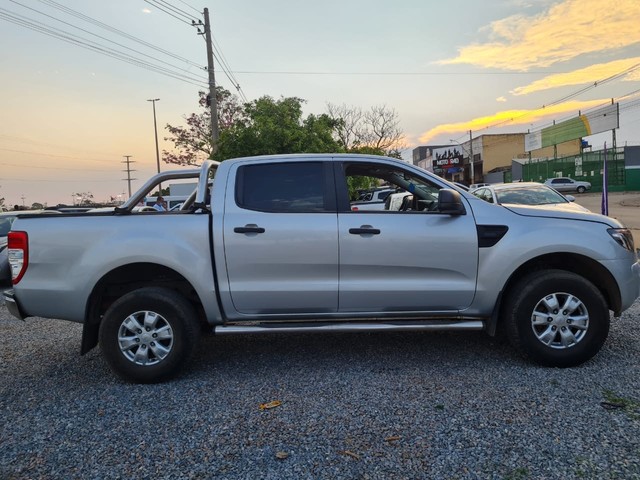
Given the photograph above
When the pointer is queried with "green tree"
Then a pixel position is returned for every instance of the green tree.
(277, 126)
(193, 141)
(268, 126)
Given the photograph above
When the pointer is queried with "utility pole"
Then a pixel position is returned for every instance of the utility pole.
(213, 102)
(128, 170)
(473, 177)
(155, 129)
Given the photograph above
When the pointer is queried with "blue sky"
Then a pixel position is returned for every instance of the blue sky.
(69, 114)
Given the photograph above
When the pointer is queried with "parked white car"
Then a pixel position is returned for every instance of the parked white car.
(473, 186)
(527, 193)
(372, 199)
(566, 184)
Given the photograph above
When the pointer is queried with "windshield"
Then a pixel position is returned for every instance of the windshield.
(530, 196)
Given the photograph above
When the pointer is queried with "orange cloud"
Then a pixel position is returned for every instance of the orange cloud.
(592, 74)
(565, 31)
(508, 118)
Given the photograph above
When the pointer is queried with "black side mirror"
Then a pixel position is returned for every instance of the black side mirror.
(450, 202)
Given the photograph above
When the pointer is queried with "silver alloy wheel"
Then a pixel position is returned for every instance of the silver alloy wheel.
(145, 338)
(560, 320)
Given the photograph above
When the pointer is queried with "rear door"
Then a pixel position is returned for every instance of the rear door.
(412, 258)
(280, 238)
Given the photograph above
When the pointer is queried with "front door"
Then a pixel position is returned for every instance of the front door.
(408, 257)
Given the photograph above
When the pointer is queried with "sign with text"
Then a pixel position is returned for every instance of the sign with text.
(447, 157)
(597, 121)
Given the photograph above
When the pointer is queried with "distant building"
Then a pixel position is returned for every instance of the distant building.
(492, 155)
(423, 156)
(419, 153)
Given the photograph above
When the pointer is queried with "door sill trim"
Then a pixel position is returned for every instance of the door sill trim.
(431, 325)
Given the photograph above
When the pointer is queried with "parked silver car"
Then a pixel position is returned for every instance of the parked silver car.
(566, 184)
(527, 193)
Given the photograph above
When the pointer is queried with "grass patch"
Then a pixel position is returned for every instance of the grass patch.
(517, 474)
(613, 401)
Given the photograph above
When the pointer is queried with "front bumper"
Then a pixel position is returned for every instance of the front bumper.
(12, 304)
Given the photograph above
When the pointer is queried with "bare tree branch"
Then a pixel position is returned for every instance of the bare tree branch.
(377, 129)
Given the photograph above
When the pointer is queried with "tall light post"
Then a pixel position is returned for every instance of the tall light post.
(155, 128)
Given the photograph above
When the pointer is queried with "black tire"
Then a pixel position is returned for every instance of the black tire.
(581, 189)
(556, 337)
(154, 353)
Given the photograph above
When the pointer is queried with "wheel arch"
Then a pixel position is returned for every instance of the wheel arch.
(581, 265)
(124, 279)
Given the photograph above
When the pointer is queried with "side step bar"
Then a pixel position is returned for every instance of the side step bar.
(438, 326)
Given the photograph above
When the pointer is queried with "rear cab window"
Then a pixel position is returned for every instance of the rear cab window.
(303, 187)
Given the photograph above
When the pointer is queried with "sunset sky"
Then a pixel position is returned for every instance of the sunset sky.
(69, 114)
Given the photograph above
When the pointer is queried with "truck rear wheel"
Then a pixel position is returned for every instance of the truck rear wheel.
(148, 334)
(557, 318)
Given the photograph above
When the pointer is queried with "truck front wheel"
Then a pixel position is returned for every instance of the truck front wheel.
(557, 318)
(148, 334)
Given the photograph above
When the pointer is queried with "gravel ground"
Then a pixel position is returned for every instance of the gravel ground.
(404, 405)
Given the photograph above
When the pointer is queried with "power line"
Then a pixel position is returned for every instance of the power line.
(53, 32)
(30, 141)
(99, 36)
(66, 180)
(390, 74)
(568, 97)
(52, 155)
(220, 58)
(105, 26)
(595, 84)
(147, 62)
(167, 12)
(48, 168)
(191, 7)
(70, 38)
(623, 107)
(175, 9)
(227, 70)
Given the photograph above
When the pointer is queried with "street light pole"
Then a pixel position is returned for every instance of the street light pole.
(473, 177)
(470, 154)
(155, 128)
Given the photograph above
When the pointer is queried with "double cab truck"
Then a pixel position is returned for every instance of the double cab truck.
(272, 244)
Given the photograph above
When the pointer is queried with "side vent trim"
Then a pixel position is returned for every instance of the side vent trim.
(489, 235)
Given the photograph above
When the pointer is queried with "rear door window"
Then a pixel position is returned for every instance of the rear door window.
(285, 187)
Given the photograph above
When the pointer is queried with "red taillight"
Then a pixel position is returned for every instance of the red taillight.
(18, 253)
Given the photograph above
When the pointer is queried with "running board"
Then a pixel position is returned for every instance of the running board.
(464, 325)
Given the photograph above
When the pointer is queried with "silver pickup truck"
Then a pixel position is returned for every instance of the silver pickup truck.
(271, 244)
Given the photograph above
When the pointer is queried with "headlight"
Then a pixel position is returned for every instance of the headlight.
(624, 237)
